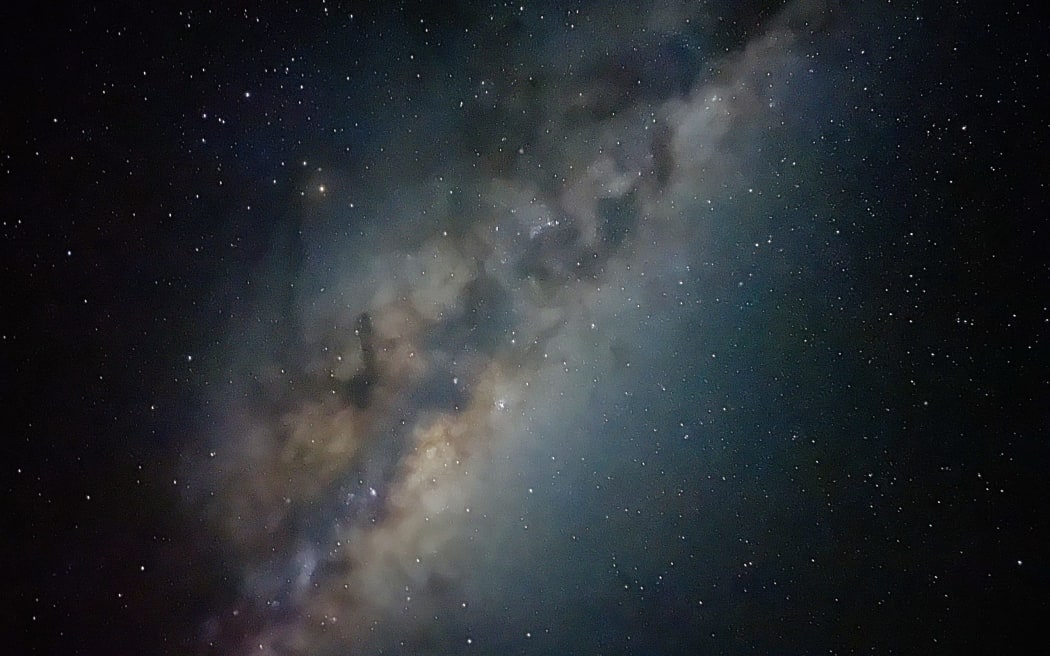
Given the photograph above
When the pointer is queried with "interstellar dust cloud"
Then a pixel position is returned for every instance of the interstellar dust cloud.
(479, 320)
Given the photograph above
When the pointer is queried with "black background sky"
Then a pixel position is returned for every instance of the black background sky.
(151, 163)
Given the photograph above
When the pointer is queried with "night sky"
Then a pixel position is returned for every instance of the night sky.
(587, 328)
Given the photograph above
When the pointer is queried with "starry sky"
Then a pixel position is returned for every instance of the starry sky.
(528, 328)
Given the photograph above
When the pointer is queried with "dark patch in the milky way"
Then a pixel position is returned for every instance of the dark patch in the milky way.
(484, 318)
(650, 73)
(559, 252)
(487, 312)
(616, 218)
(441, 389)
(552, 254)
(663, 156)
(363, 382)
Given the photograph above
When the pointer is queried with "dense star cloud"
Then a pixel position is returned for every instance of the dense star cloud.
(378, 474)
(589, 329)
(477, 381)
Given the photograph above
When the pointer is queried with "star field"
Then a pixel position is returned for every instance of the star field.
(584, 328)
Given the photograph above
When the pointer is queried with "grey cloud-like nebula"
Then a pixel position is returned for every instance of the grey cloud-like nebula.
(442, 450)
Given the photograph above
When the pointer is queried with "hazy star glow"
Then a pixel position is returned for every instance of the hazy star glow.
(382, 468)
(553, 328)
